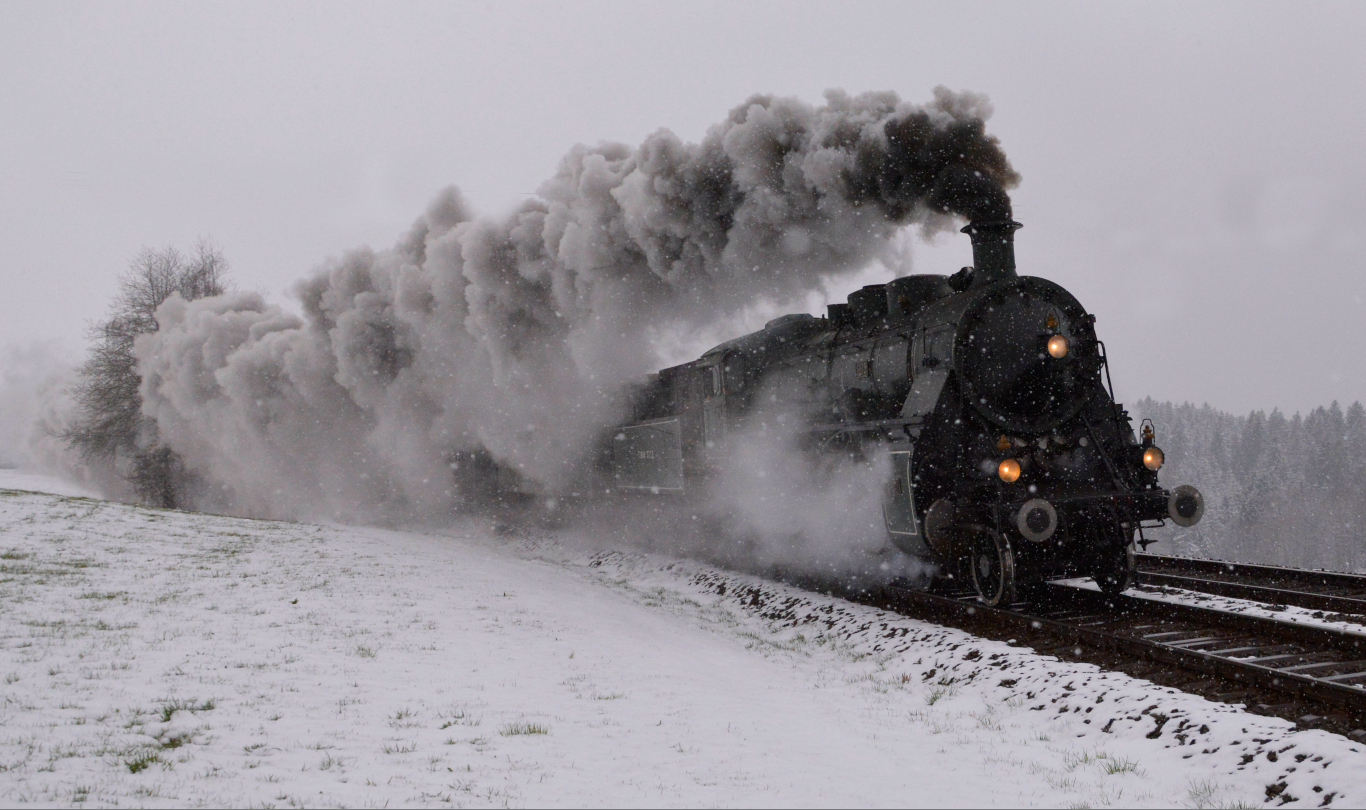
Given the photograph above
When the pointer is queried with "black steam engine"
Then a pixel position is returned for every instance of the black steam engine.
(1011, 461)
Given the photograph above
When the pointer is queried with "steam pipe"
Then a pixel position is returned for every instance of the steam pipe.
(993, 250)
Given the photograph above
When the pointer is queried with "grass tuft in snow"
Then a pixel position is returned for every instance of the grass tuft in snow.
(518, 729)
(1205, 795)
(1114, 766)
(143, 760)
(460, 718)
(102, 594)
(170, 707)
(938, 693)
(172, 742)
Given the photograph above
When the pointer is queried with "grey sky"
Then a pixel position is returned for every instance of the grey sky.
(1195, 173)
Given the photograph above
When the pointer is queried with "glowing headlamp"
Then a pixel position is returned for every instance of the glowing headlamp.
(1058, 347)
(1009, 470)
(1153, 458)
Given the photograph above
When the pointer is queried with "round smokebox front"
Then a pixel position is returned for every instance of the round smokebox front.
(1027, 357)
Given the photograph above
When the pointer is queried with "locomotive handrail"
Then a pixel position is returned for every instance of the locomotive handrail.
(1109, 465)
(1110, 386)
(865, 427)
(1105, 364)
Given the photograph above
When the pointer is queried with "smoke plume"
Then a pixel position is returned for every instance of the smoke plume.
(520, 335)
(28, 377)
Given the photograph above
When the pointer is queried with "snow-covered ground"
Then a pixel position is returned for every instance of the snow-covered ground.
(167, 658)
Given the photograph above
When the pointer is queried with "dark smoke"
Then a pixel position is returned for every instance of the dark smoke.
(520, 335)
(954, 169)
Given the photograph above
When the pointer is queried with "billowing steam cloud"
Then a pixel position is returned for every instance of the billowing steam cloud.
(520, 335)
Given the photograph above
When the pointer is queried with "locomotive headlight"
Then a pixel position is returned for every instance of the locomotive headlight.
(1057, 347)
(1009, 471)
(1153, 458)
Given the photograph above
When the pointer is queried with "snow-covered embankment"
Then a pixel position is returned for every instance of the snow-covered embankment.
(169, 658)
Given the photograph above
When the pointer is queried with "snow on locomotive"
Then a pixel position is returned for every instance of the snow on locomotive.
(1011, 461)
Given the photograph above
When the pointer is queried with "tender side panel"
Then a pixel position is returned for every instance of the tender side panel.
(649, 456)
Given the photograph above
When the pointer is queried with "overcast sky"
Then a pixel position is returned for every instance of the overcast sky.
(1195, 173)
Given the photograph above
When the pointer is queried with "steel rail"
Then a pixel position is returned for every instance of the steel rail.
(1254, 572)
(1313, 664)
(1259, 593)
(1314, 590)
(1308, 661)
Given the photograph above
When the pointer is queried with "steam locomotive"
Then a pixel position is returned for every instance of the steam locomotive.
(987, 392)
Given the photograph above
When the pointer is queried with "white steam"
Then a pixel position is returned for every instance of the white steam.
(26, 376)
(802, 512)
(520, 336)
(772, 508)
(34, 399)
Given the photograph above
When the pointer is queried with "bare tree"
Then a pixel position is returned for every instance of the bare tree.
(109, 426)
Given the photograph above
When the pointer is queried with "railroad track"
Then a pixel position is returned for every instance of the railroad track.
(1310, 674)
(1314, 676)
(1315, 590)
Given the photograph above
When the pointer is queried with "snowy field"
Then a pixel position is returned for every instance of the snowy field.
(157, 658)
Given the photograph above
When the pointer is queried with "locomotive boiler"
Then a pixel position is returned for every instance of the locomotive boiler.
(988, 394)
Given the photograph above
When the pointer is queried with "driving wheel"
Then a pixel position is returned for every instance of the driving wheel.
(1115, 569)
(993, 568)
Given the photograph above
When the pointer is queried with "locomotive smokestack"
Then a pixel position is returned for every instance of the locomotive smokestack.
(993, 250)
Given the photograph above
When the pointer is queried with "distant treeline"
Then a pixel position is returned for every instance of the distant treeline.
(1278, 490)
